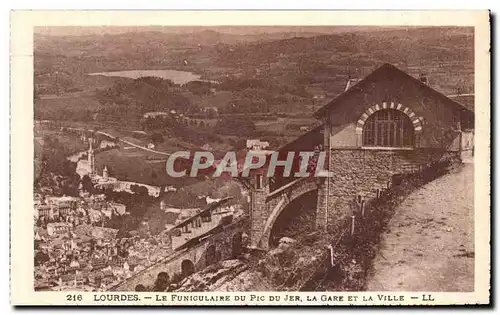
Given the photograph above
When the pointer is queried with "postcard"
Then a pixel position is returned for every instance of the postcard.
(250, 158)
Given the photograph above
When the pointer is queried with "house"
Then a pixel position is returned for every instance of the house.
(381, 126)
(350, 82)
(256, 144)
(156, 114)
(65, 208)
(118, 207)
(44, 211)
(58, 228)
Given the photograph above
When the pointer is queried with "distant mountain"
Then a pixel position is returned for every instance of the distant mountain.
(397, 44)
(233, 30)
(188, 37)
(299, 55)
(405, 47)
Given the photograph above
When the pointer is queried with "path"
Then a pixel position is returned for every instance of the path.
(430, 243)
(133, 144)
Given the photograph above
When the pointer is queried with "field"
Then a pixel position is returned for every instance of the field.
(286, 126)
(132, 165)
(71, 143)
(218, 99)
(71, 105)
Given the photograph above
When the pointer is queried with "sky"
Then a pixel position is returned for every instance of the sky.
(240, 30)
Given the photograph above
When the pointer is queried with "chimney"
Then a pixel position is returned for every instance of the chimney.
(423, 78)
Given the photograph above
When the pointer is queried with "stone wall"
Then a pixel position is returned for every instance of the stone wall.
(361, 172)
(258, 215)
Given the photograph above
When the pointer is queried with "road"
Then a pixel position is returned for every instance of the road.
(430, 243)
(133, 144)
(124, 141)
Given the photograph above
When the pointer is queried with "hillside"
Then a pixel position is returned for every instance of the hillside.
(447, 54)
(444, 52)
(287, 73)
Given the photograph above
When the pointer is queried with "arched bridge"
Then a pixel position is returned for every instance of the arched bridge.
(267, 206)
(225, 241)
(222, 244)
(212, 235)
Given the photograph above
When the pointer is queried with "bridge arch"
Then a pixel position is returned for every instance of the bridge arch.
(162, 281)
(237, 245)
(187, 268)
(283, 198)
(211, 255)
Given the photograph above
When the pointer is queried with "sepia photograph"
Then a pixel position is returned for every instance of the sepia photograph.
(254, 158)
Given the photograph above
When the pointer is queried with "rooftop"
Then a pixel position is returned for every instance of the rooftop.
(384, 71)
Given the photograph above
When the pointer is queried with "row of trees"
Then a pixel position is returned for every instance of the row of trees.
(148, 94)
(53, 170)
(236, 126)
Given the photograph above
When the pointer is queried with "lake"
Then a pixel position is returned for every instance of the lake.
(178, 77)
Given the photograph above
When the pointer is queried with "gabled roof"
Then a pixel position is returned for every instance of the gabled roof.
(384, 70)
(467, 100)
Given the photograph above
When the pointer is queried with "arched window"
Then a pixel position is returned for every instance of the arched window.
(388, 128)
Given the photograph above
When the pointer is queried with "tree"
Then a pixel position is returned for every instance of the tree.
(198, 87)
(87, 184)
(139, 190)
(157, 138)
(41, 257)
(238, 126)
(69, 185)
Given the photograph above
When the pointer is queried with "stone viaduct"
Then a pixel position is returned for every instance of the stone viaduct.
(222, 243)
(267, 206)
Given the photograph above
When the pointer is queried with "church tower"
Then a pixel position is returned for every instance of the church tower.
(105, 172)
(91, 157)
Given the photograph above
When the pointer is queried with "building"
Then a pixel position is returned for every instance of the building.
(157, 114)
(384, 125)
(58, 228)
(44, 211)
(257, 145)
(211, 109)
(103, 181)
(91, 158)
(105, 173)
(121, 209)
(350, 82)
